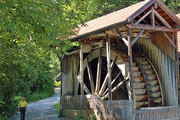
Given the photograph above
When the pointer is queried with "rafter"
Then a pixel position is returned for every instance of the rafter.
(142, 18)
(162, 19)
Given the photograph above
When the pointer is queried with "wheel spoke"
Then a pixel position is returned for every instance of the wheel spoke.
(106, 78)
(112, 83)
(115, 88)
(98, 77)
(90, 76)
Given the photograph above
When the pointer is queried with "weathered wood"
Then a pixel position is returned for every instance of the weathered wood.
(142, 18)
(137, 37)
(115, 88)
(85, 88)
(81, 69)
(162, 19)
(169, 39)
(90, 77)
(122, 37)
(152, 28)
(106, 78)
(130, 61)
(138, 12)
(108, 51)
(112, 83)
(152, 17)
(98, 77)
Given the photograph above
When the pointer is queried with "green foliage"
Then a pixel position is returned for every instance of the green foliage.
(57, 84)
(57, 108)
(174, 5)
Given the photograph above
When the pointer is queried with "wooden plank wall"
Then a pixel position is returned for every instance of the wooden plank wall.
(165, 67)
(70, 83)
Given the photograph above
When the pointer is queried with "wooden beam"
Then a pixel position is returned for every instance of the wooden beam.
(137, 37)
(86, 89)
(90, 76)
(81, 68)
(122, 37)
(142, 18)
(99, 68)
(108, 52)
(169, 39)
(139, 11)
(162, 19)
(152, 28)
(152, 17)
(130, 62)
(112, 83)
(84, 86)
(115, 88)
(106, 78)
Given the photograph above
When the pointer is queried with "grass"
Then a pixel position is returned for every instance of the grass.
(57, 108)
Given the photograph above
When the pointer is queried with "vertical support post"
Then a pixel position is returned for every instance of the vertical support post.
(81, 68)
(130, 61)
(152, 17)
(108, 52)
(177, 63)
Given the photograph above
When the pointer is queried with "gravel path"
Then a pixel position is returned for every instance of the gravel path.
(42, 109)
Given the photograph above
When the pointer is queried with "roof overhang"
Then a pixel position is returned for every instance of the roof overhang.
(129, 19)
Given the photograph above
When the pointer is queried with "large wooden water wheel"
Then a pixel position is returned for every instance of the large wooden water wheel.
(147, 90)
(96, 79)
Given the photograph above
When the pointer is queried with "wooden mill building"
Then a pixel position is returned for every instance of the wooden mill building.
(126, 66)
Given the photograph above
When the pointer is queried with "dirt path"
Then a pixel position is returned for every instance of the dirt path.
(42, 109)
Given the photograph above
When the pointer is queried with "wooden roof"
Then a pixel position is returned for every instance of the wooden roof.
(124, 16)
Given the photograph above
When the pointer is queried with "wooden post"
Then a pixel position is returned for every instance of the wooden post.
(130, 62)
(108, 51)
(152, 17)
(81, 69)
(177, 63)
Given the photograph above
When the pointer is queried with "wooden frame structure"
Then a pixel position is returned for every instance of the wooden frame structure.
(134, 23)
(152, 19)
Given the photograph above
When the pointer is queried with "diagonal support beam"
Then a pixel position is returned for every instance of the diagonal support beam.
(162, 19)
(115, 88)
(142, 18)
(106, 78)
(85, 88)
(169, 39)
(90, 76)
(137, 37)
(122, 37)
